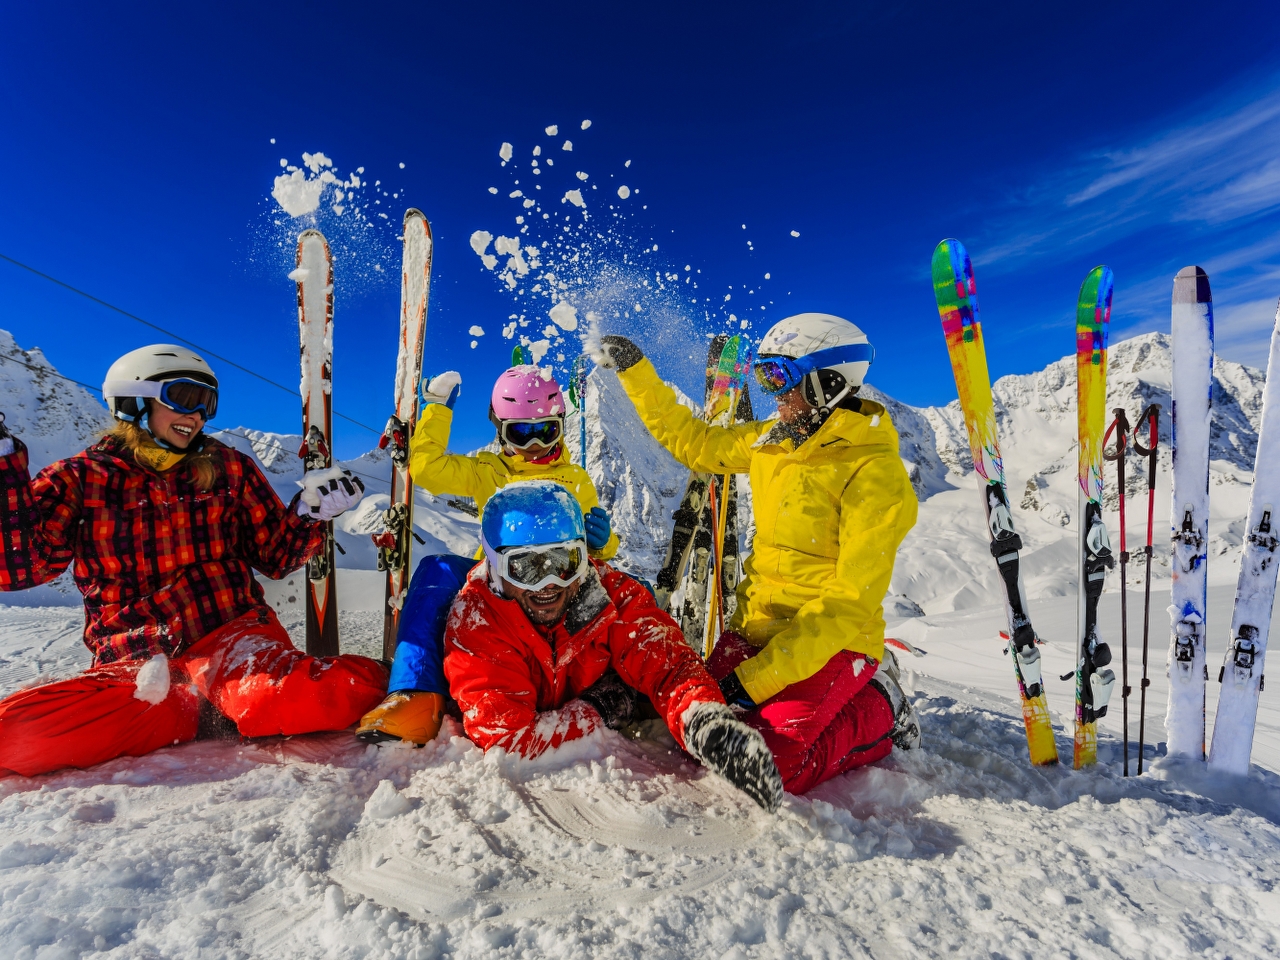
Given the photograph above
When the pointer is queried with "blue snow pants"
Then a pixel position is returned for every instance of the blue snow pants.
(419, 662)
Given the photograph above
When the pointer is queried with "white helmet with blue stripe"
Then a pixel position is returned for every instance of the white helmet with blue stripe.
(828, 354)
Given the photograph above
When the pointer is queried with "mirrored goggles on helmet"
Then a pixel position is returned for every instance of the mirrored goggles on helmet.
(524, 433)
(181, 394)
(535, 567)
(779, 374)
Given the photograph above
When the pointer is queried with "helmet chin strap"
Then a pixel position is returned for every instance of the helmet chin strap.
(195, 445)
(824, 405)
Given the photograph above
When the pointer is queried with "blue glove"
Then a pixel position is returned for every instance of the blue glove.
(598, 528)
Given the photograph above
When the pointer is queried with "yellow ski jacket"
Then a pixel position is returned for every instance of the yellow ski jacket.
(829, 519)
(479, 476)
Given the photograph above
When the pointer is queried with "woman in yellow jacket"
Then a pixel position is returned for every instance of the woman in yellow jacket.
(527, 408)
(804, 652)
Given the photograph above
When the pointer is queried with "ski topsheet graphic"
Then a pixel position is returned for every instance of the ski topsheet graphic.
(1094, 679)
(314, 277)
(1241, 673)
(395, 544)
(1189, 506)
(957, 298)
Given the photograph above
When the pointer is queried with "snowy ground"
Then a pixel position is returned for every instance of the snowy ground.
(321, 847)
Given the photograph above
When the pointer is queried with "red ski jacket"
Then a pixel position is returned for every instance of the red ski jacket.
(159, 562)
(517, 683)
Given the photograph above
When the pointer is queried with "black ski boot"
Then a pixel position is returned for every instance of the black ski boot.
(906, 726)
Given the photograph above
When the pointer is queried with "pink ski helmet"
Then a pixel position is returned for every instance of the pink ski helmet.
(526, 393)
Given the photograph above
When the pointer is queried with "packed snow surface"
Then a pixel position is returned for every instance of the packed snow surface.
(320, 846)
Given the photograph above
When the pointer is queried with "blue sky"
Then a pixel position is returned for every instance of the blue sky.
(136, 148)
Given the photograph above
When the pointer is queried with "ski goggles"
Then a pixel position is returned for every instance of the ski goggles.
(532, 568)
(181, 394)
(524, 433)
(779, 374)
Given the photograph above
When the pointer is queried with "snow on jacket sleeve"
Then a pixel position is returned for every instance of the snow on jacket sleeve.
(39, 520)
(273, 538)
(490, 678)
(439, 472)
(877, 509)
(649, 652)
(695, 443)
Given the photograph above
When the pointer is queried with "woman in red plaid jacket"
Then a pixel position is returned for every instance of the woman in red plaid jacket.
(165, 527)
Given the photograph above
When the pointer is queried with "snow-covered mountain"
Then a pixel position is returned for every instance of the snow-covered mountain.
(944, 565)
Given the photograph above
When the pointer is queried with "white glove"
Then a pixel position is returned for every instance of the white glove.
(328, 493)
(6, 446)
(443, 388)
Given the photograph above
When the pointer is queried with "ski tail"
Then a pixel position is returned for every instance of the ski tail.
(315, 333)
(1242, 669)
(1094, 679)
(957, 297)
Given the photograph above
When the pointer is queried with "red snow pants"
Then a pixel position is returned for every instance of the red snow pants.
(820, 727)
(248, 669)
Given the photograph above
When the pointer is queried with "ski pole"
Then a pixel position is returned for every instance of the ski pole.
(1152, 415)
(713, 605)
(1121, 426)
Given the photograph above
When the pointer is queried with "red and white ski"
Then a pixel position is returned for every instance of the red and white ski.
(314, 277)
(395, 544)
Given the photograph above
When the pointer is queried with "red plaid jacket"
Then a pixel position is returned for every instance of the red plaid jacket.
(160, 563)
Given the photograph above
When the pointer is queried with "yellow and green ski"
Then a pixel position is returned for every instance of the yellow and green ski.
(1094, 679)
(957, 297)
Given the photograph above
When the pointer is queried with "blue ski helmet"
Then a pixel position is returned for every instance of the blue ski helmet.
(531, 513)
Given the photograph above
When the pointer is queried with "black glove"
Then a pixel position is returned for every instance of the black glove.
(613, 700)
(735, 693)
(619, 352)
(735, 751)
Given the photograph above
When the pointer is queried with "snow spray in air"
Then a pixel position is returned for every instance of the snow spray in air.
(359, 216)
(576, 267)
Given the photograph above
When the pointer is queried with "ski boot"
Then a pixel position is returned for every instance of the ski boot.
(906, 726)
(410, 715)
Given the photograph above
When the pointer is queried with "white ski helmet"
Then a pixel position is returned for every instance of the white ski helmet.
(831, 358)
(139, 374)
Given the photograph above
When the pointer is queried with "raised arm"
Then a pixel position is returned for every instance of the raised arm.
(695, 443)
(439, 472)
(877, 509)
(38, 519)
(273, 538)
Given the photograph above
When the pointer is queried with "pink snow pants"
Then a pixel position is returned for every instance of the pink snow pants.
(820, 727)
(248, 669)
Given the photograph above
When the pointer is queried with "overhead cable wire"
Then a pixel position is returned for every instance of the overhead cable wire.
(170, 333)
(257, 441)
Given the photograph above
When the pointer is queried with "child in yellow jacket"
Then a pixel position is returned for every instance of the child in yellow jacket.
(527, 408)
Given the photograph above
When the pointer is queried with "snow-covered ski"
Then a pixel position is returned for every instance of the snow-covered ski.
(1192, 382)
(395, 544)
(314, 276)
(1094, 679)
(1242, 669)
(957, 298)
(682, 583)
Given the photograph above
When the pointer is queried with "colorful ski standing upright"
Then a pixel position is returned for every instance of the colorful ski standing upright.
(1192, 329)
(957, 298)
(1094, 679)
(1241, 674)
(314, 277)
(395, 545)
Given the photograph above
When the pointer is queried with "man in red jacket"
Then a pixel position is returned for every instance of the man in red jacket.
(543, 645)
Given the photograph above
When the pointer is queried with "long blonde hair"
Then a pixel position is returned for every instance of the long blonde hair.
(132, 437)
